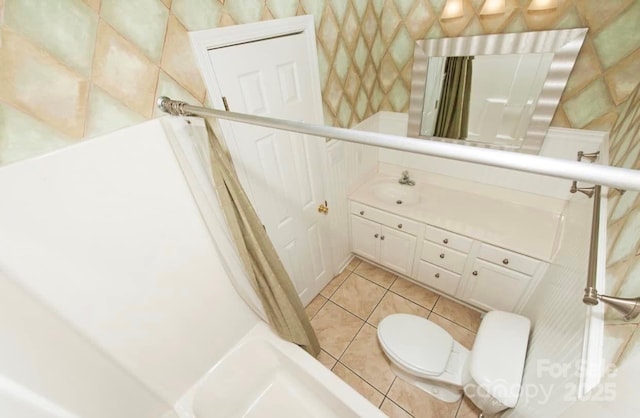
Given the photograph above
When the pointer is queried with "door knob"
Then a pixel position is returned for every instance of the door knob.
(375, 236)
(323, 208)
(437, 275)
(445, 241)
(505, 261)
(475, 273)
(382, 237)
(442, 255)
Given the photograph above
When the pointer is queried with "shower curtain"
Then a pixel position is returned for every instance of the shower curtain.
(453, 115)
(263, 266)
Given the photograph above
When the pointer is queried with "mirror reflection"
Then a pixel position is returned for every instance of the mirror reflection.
(497, 91)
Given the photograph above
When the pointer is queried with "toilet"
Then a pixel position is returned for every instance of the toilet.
(425, 355)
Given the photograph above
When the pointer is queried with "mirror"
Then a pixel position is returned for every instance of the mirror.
(495, 91)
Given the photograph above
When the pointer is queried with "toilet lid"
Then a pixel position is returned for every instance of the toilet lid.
(415, 343)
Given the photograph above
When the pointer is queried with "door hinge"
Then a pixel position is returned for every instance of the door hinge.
(225, 103)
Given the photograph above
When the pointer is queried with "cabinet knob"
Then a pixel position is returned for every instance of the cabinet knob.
(505, 261)
(361, 212)
(475, 273)
(446, 240)
(437, 275)
(375, 236)
(382, 237)
(400, 226)
(442, 255)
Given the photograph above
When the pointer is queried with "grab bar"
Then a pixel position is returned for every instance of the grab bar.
(629, 307)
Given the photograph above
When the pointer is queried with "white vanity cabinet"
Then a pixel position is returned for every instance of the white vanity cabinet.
(501, 279)
(384, 238)
(480, 274)
(443, 259)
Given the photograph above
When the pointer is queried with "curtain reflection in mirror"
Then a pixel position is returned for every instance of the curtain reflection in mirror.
(453, 112)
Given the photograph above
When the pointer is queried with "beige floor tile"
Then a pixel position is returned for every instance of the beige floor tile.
(392, 303)
(335, 328)
(365, 357)
(419, 403)
(414, 293)
(353, 264)
(393, 410)
(334, 284)
(326, 359)
(314, 306)
(358, 384)
(458, 313)
(359, 296)
(467, 409)
(460, 334)
(375, 274)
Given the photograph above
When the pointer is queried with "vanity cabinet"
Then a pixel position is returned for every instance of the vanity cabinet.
(381, 237)
(480, 274)
(496, 268)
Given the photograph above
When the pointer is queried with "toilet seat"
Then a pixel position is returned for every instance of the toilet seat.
(416, 344)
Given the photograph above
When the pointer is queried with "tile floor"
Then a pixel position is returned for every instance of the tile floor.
(345, 316)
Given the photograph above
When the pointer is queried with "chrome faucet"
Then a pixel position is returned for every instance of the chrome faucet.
(406, 180)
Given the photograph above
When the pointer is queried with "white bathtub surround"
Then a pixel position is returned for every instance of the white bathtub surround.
(129, 300)
(264, 376)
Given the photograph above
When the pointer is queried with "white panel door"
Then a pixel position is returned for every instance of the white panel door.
(282, 172)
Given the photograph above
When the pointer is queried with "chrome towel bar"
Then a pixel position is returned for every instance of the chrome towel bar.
(629, 307)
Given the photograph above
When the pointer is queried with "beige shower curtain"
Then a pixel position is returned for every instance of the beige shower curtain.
(262, 264)
(453, 115)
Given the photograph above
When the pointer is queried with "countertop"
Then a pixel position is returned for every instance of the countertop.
(520, 222)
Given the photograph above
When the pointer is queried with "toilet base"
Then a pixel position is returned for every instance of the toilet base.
(443, 391)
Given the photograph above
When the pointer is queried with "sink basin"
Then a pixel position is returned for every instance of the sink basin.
(393, 193)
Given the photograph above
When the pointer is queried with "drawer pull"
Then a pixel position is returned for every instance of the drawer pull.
(375, 236)
(361, 212)
(437, 275)
(400, 226)
(442, 255)
(382, 237)
(505, 261)
(475, 273)
(445, 241)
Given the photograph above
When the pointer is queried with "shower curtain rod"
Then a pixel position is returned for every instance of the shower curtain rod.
(620, 178)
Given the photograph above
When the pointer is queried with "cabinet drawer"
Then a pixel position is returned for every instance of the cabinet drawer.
(438, 278)
(444, 257)
(385, 218)
(448, 239)
(508, 259)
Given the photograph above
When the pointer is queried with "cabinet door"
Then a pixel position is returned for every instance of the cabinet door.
(397, 250)
(365, 237)
(492, 287)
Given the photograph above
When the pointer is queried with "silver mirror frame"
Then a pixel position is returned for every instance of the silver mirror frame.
(563, 43)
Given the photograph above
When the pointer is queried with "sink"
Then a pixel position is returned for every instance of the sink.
(393, 193)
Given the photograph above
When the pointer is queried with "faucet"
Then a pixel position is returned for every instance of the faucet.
(406, 180)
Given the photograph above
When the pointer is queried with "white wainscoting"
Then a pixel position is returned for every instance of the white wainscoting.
(559, 143)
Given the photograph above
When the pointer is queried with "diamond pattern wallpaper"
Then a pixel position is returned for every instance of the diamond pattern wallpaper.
(102, 62)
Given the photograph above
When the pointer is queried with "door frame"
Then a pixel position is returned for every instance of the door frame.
(204, 40)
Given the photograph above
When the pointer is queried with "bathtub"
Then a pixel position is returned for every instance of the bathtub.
(265, 376)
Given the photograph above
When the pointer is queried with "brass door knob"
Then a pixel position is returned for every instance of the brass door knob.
(323, 208)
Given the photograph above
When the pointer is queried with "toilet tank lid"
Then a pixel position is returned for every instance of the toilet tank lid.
(497, 358)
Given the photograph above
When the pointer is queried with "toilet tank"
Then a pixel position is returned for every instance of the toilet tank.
(497, 361)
